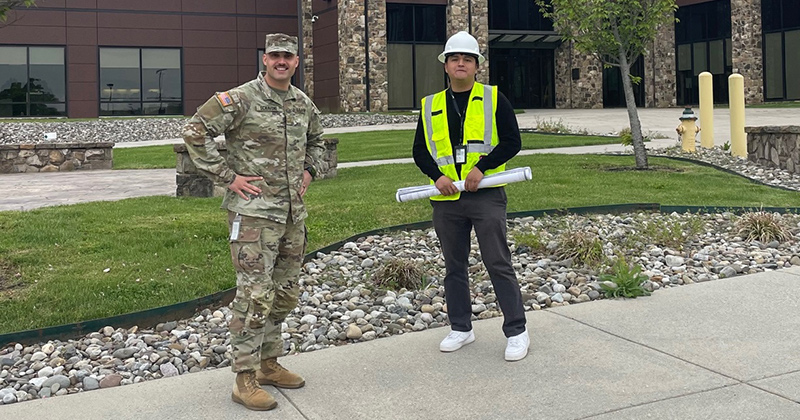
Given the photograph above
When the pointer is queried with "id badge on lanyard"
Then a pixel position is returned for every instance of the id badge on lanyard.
(461, 154)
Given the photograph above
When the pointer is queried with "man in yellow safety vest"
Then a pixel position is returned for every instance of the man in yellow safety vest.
(465, 132)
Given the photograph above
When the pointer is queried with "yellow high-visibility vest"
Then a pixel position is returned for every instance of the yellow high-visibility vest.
(480, 132)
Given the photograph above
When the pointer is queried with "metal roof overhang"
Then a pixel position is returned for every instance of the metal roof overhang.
(504, 38)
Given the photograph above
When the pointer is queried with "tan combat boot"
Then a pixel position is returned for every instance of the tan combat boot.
(272, 373)
(247, 392)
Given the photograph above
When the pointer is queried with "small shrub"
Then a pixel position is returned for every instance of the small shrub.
(762, 226)
(398, 273)
(532, 241)
(582, 247)
(650, 135)
(552, 126)
(670, 232)
(625, 136)
(726, 146)
(627, 280)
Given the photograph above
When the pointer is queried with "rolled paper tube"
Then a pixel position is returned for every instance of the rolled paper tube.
(500, 178)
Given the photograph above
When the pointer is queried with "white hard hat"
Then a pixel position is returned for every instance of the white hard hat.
(464, 43)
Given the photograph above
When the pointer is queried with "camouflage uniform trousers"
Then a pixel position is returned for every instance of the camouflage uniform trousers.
(267, 257)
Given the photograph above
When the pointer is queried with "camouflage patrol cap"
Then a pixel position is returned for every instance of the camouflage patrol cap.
(280, 43)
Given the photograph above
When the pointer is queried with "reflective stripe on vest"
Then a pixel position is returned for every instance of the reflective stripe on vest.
(435, 124)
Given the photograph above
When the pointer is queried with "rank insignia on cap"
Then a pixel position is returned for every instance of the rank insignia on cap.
(224, 99)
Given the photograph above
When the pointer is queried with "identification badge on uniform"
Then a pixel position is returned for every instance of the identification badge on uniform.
(461, 154)
(237, 223)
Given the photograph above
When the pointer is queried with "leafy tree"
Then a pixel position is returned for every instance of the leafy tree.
(616, 32)
(7, 5)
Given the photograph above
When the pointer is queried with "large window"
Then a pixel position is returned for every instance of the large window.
(32, 81)
(781, 26)
(703, 43)
(140, 81)
(415, 36)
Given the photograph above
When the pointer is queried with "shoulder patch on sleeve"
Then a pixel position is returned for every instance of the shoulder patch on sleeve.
(224, 99)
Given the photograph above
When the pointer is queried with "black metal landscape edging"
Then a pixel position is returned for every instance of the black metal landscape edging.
(151, 317)
(730, 171)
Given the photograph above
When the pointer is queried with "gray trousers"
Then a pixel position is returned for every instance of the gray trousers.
(485, 210)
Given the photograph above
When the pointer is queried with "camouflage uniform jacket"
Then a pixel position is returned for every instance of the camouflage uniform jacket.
(265, 136)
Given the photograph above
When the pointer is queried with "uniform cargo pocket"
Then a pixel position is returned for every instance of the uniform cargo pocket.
(246, 252)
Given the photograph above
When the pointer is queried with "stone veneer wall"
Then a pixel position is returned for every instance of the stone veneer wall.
(55, 157)
(352, 61)
(378, 71)
(774, 146)
(587, 91)
(191, 183)
(659, 70)
(458, 14)
(746, 42)
(352, 89)
(308, 49)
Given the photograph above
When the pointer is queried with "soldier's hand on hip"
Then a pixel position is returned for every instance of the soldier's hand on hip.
(445, 185)
(306, 182)
(473, 178)
(241, 185)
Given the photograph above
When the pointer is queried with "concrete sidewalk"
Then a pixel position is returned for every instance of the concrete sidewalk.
(725, 349)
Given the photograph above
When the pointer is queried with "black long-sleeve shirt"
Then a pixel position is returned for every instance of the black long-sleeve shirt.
(508, 146)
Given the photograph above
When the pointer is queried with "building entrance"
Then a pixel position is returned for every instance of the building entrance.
(525, 76)
(614, 93)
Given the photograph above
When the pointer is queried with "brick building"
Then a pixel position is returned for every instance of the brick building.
(88, 58)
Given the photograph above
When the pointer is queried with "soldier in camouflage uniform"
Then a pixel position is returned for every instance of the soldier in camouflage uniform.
(274, 141)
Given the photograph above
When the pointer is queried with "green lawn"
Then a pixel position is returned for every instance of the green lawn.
(775, 104)
(100, 259)
(146, 157)
(353, 147)
(785, 104)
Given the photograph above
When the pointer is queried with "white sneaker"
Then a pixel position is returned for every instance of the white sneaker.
(517, 347)
(456, 339)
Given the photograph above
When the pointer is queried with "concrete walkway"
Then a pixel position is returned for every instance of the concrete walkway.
(725, 349)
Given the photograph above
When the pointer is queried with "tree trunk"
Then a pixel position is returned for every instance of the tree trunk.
(639, 151)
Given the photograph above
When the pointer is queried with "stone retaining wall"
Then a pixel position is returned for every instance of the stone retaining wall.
(55, 157)
(191, 183)
(775, 146)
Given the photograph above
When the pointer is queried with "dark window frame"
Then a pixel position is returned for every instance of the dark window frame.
(501, 13)
(782, 28)
(28, 101)
(101, 103)
(707, 12)
(413, 42)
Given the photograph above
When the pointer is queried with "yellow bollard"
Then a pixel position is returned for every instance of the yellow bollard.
(736, 99)
(688, 130)
(706, 110)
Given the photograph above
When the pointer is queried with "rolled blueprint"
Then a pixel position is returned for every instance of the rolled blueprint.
(427, 191)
